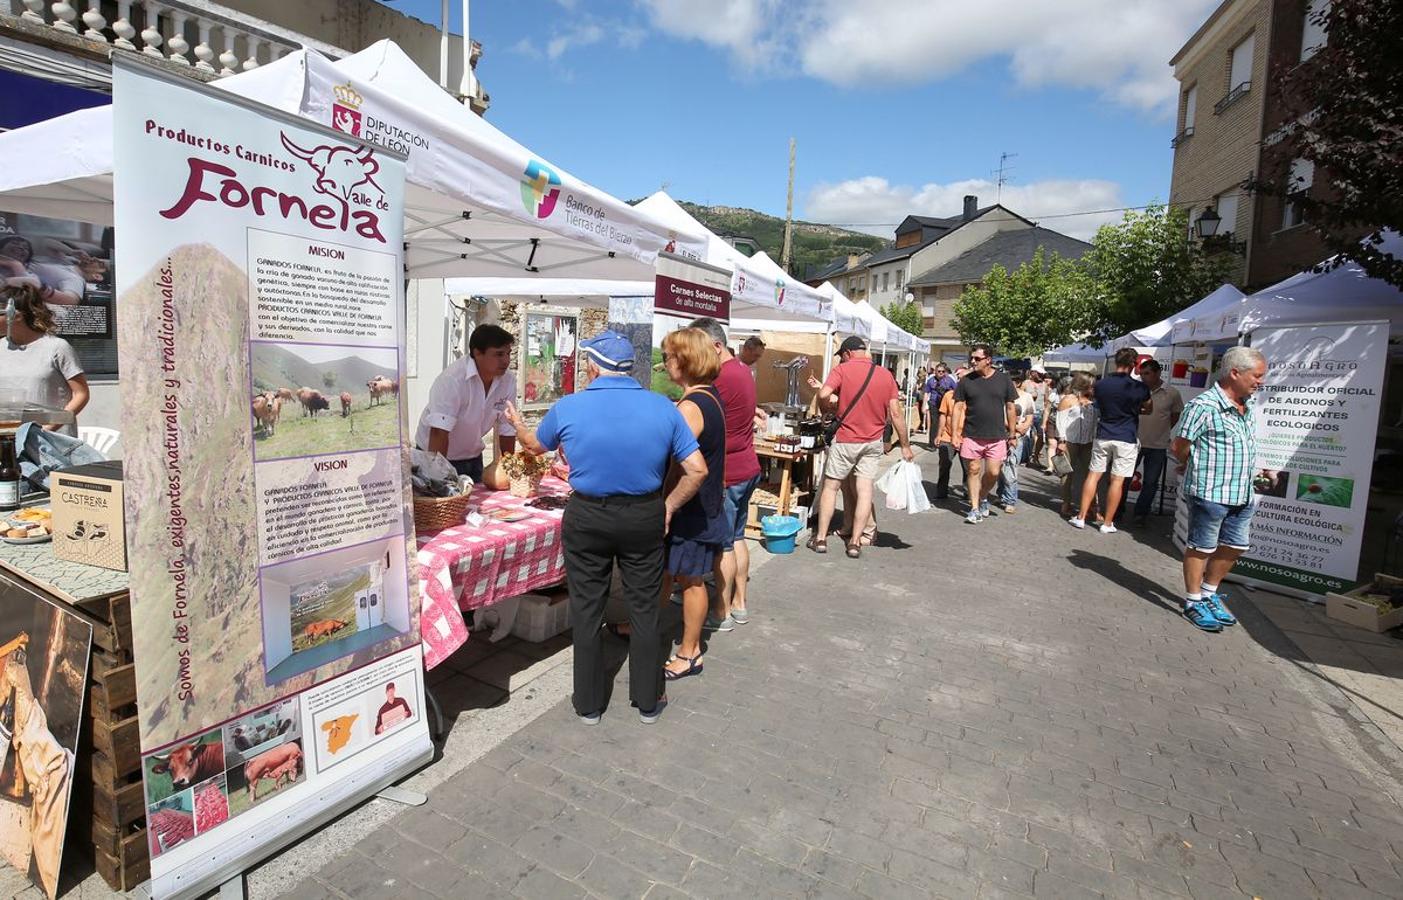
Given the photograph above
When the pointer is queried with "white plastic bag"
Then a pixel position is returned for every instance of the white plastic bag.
(893, 484)
(916, 499)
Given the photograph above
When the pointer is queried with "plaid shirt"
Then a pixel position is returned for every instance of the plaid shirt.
(1223, 448)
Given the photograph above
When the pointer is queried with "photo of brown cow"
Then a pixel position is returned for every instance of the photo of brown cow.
(309, 399)
(183, 765)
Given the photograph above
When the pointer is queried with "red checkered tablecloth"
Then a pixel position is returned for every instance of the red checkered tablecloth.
(466, 567)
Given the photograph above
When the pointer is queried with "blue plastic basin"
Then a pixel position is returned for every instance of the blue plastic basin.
(780, 533)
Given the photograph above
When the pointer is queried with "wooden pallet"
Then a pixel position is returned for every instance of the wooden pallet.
(109, 809)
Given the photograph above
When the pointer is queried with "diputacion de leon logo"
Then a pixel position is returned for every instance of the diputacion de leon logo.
(540, 189)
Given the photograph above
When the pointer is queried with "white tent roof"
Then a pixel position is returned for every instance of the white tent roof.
(846, 317)
(1343, 294)
(1171, 330)
(477, 201)
(757, 283)
(1075, 353)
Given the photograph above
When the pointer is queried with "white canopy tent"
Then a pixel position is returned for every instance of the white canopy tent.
(476, 201)
(1162, 333)
(1343, 294)
(1075, 354)
(756, 282)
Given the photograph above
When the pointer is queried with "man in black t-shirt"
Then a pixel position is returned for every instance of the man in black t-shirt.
(985, 427)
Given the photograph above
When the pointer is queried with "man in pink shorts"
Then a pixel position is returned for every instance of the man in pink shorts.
(985, 428)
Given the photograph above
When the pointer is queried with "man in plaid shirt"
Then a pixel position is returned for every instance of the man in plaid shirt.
(1216, 446)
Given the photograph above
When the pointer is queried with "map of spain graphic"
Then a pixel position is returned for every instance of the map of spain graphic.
(338, 732)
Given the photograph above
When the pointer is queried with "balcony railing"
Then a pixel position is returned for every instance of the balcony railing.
(1182, 136)
(1233, 96)
(206, 36)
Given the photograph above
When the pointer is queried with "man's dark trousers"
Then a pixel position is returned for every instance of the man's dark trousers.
(942, 486)
(595, 532)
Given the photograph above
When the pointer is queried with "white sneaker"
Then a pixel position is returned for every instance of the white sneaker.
(1076, 522)
(1108, 528)
(972, 518)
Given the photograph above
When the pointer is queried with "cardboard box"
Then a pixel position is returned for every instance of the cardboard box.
(1352, 610)
(89, 526)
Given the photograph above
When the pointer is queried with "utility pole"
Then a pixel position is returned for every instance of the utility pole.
(788, 213)
(1003, 174)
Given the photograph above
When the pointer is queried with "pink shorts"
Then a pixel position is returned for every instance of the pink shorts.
(994, 449)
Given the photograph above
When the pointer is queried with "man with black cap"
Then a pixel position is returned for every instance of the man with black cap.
(865, 396)
(620, 440)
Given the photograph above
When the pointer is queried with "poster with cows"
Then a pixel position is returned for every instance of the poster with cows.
(43, 678)
(266, 472)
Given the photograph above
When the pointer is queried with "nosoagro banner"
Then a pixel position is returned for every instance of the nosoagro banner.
(269, 517)
(1317, 419)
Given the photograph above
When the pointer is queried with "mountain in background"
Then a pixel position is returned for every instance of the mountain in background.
(275, 367)
(813, 245)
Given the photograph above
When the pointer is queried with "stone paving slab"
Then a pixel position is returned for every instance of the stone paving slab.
(1009, 709)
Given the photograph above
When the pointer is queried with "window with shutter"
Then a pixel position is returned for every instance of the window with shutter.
(1313, 35)
(1190, 107)
(1241, 69)
(1227, 209)
(1298, 183)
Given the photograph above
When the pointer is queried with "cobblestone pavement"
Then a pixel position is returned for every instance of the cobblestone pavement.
(1007, 709)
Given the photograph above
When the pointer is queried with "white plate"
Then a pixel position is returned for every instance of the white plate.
(30, 540)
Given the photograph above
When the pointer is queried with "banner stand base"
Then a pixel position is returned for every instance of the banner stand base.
(1252, 584)
(395, 794)
(233, 889)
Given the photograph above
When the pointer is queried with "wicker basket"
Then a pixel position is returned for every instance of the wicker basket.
(438, 513)
(525, 485)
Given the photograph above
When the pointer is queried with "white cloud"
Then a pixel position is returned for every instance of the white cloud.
(580, 36)
(1119, 48)
(582, 32)
(875, 205)
(747, 28)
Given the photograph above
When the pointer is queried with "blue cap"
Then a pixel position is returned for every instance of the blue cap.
(611, 351)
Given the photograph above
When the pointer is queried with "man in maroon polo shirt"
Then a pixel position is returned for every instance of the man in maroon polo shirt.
(736, 386)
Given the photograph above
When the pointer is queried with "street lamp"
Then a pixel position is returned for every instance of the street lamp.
(1208, 222)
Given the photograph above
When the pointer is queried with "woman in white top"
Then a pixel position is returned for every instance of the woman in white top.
(1076, 429)
(37, 366)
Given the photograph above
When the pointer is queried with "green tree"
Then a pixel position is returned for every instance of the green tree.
(1046, 302)
(906, 316)
(329, 379)
(1342, 106)
(1147, 268)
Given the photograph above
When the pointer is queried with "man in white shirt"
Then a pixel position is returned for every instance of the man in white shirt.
(468, 399)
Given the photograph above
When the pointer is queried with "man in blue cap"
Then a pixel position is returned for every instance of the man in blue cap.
(620, 440)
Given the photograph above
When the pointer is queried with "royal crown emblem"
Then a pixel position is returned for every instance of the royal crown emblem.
(348, 96)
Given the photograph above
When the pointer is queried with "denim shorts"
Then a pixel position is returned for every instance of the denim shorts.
(1212, 524)
(736, 504)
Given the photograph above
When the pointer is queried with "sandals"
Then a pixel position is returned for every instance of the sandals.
(617, 631)
(854, 551)
(693, 667)
(817, 546)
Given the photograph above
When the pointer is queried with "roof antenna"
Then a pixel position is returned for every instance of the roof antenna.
(1003, 174)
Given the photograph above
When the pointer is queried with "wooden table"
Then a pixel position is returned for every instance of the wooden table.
(787, 482)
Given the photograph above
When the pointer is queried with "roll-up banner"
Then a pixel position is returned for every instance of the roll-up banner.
(1317, 419)
(268, 510)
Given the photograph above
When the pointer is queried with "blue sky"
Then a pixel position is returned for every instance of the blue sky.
(898, 105)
